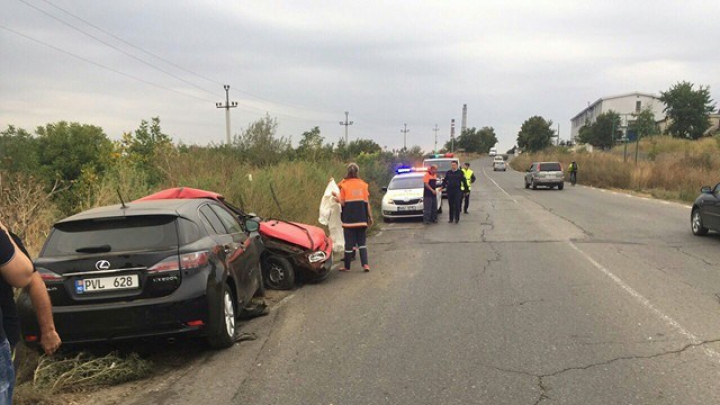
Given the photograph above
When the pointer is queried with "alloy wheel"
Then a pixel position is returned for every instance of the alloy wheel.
(229, 312)
(696, 221)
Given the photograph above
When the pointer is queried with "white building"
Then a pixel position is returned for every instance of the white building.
(625, 104)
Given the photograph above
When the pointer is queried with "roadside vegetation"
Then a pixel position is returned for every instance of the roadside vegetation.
(63, 168)
(673, 166)
(668, 168)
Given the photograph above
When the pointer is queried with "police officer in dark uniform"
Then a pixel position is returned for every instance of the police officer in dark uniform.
(454, 182)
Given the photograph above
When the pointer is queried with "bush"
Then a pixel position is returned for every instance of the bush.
(27, 208)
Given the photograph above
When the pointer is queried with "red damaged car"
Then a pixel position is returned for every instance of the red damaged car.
(291, 249)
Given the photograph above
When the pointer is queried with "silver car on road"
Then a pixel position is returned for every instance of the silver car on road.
(547, 174)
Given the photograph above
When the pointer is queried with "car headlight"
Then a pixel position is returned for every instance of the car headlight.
(421, 199)
(389, 202)
(318, 256)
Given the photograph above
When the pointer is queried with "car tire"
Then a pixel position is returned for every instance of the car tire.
(387, 220)
(278, 273)
(439, 211)
(225, 336)
(561, 186)
(533, 185)
(527, 185)
(696, 223)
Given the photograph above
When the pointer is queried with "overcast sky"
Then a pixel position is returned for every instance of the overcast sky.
(306, 62)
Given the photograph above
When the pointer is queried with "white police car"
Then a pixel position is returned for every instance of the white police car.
(404, 195)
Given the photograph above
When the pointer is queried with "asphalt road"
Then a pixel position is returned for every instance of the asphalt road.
(580, 296)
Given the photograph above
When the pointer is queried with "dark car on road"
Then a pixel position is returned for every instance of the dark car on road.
(546, 174)
(149, 268)
(705, 214)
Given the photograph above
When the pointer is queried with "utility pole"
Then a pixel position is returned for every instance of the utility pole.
(227, 106)
(452, 135)
(347, 124)
(436, 129)
(405, 131)
(558, 135)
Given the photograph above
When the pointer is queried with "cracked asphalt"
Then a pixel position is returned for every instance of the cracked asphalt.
(578, 296)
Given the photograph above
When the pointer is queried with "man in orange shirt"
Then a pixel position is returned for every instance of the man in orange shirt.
(430, 196)
(356, 216)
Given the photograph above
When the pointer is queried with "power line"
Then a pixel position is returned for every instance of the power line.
(163, 59)
(246, 107)
(132, 45)
(129, 76)
(114, 47)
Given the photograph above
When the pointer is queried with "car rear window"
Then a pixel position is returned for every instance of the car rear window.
(121, 234)
(550, 167)
(400, 183)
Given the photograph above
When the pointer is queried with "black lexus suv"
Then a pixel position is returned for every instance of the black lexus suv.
(148, 268)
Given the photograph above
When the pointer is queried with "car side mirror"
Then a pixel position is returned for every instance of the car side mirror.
(252, 225)
(384, 189)
(706, 190)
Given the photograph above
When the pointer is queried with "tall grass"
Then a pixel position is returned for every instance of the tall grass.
(671, 168)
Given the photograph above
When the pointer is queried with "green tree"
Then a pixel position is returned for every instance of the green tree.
(76, 155)
(477, 141)
(341, 149)
(18, 151)
(535, 134)
(147, 148)
(311, 146)
(644, 124)
(688, 110)
(604, 132)
(358, 146)
(585, 134)
(260, 145)
(66, 149)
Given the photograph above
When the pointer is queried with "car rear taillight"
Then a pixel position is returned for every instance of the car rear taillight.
(49, 276)
(185, 261)
(172, 263)
(194, 260)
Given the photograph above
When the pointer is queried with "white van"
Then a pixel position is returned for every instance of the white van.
(493, 151)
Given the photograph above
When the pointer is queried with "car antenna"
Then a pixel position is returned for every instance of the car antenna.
(122, 203)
